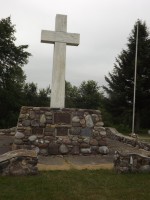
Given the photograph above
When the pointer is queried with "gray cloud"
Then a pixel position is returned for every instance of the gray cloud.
(104, 26)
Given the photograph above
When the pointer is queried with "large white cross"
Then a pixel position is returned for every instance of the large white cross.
(60, 38)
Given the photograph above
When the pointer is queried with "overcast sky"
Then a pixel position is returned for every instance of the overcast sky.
(103, 25)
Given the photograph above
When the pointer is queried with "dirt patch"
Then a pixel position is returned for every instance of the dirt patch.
(66, 166)
(43, 167)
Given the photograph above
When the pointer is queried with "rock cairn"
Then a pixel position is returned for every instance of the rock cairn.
(61, 131)
(19, 162)
(131, 163)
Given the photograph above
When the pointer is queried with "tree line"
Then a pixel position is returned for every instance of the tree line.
(115, 100)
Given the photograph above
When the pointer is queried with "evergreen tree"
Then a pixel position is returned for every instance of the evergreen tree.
(12, 77)
(121, 80)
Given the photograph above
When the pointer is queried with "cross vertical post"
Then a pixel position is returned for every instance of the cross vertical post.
(60, 38)
(59, 65)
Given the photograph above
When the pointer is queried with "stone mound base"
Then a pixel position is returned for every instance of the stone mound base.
(61, 131)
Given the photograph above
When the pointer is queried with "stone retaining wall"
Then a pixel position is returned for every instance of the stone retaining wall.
(61, 131)
(8, 132)
(131, 163)
(19, 162)
(113, 134)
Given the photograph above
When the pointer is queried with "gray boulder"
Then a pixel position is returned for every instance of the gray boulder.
(63, 149)
(19, 135)
(85, 150)
(32, 138)
(103, 150)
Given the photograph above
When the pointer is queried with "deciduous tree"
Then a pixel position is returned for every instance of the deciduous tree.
(90, 96)
(12, 77)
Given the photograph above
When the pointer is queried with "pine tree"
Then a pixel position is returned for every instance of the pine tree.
(121, 80)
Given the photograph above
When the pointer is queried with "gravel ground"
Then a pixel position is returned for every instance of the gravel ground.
(114, 145)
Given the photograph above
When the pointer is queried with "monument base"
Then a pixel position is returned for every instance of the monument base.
(54, 131)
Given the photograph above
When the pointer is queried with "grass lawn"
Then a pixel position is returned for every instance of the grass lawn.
(144, 137)
(75, 184)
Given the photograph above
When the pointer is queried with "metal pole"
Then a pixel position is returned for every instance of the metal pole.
(135, 75)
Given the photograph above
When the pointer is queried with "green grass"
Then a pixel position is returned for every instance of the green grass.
(144, 136)
(74, 185)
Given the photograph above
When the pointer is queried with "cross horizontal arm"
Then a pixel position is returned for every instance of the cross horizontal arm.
(72, 39)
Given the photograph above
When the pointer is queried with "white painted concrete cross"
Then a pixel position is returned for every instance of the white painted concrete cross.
(60, 38)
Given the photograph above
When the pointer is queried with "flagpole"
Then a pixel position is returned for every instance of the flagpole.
(135, 77)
